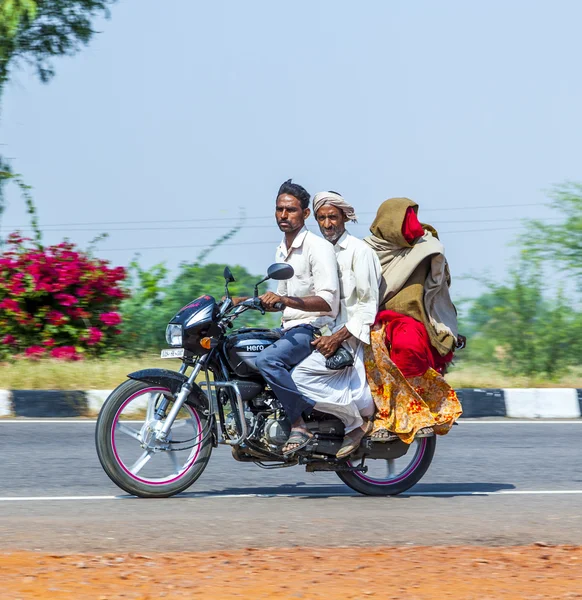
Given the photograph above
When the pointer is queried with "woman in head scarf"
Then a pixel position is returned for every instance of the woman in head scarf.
(416, 329)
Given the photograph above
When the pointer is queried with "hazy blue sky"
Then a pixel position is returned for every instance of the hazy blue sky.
(187, 110)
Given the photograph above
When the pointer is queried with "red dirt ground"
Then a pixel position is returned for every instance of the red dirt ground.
(412, 573)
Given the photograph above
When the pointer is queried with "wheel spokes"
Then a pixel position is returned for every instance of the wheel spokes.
(141, 462)
(182, 423)
(173, 456)
(128, 431)
(151, 406)
(391, 464)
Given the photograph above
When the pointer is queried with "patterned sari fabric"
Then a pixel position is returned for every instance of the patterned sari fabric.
(403, 406)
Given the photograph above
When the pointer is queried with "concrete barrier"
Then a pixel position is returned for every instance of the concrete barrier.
(518, 403)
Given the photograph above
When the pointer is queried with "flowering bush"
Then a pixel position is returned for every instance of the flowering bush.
(56, 301)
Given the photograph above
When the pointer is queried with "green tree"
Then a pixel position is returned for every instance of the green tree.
(154, 302)
(560, 243)
(36, 31)
(518, 330)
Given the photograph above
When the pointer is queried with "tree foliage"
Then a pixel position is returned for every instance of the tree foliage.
(522, 326)
(560, 244)
(517, 329)
(37, 31)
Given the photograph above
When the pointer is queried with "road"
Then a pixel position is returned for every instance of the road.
(491, 483)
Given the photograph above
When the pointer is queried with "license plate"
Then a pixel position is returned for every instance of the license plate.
(173, 353)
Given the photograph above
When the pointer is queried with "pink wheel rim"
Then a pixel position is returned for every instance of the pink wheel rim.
(120, 462)
(411, 467)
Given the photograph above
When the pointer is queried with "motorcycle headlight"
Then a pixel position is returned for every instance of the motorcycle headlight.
(174, 335)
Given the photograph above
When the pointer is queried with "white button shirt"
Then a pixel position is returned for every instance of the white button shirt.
(360, 274)
(316, 274)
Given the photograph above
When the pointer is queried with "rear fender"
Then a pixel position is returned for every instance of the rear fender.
(173, 381)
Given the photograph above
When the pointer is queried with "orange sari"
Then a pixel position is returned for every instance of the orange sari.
(403, 406)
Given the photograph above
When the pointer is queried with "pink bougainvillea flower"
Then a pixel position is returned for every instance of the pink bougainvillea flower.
(94, 336)
(34, 352)
(66, 299)
(65, 353)
(55, 317)
(111, 318)
(9, 304)
(50, 296)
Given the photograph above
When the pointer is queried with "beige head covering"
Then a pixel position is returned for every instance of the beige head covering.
(408, 287)
(336, 200)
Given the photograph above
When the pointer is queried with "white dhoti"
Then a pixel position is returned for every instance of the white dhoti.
(344, 393)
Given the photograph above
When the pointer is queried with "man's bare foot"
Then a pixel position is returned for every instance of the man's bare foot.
(353, 438)
(298, 439)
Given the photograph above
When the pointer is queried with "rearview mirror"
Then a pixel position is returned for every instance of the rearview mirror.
(228, 275)
(280, 271)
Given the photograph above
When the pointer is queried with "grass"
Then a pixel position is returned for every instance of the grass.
(107, 374)
(104, 374)
(474, 376)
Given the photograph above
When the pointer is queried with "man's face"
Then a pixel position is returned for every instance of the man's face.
(332, 222)
(289, 214)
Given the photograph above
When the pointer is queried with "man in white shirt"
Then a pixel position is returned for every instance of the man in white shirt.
(345, 392)
(311, 302)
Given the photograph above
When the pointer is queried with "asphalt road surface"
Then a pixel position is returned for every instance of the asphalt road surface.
(493, 483)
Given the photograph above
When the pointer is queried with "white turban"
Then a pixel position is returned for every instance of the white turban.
(336, 200)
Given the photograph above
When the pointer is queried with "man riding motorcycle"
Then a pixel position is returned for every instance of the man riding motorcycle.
(310, 301)
(344, 392)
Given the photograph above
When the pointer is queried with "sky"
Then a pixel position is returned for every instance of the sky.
(180, 115)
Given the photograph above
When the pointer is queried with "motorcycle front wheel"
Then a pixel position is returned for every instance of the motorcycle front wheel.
(394, 476)
(129, 452)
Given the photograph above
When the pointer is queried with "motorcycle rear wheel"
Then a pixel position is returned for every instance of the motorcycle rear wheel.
(397, 478)
(118, 442)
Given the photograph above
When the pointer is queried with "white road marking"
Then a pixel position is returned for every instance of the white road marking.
(211, 495)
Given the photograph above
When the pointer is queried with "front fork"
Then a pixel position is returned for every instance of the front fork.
(162, 430)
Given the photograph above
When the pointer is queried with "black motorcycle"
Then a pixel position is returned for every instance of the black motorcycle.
(156, 431)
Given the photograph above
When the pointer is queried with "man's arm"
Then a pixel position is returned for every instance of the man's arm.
(307, 304)
(325, 283)
(367, 271)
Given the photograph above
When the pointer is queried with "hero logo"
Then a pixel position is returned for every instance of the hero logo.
(256, 348)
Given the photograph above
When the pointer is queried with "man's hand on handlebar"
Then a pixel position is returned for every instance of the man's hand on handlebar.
(272, 302)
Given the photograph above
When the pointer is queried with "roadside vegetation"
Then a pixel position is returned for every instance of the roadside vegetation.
(108, 373)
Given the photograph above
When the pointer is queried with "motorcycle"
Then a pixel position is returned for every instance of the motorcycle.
(156, 431)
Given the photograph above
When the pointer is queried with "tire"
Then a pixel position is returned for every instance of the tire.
(113, 464)
(410, 476)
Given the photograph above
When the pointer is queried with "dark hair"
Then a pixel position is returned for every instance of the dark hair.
(295, 190)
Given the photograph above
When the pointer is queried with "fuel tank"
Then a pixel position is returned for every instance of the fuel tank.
(242, 348)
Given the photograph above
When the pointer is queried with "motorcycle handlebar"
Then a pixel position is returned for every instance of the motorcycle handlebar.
(257, 304)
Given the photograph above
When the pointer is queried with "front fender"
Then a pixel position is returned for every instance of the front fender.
(162, 377)
(173, 381)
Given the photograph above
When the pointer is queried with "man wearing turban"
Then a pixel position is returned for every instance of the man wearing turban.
(344, 392)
